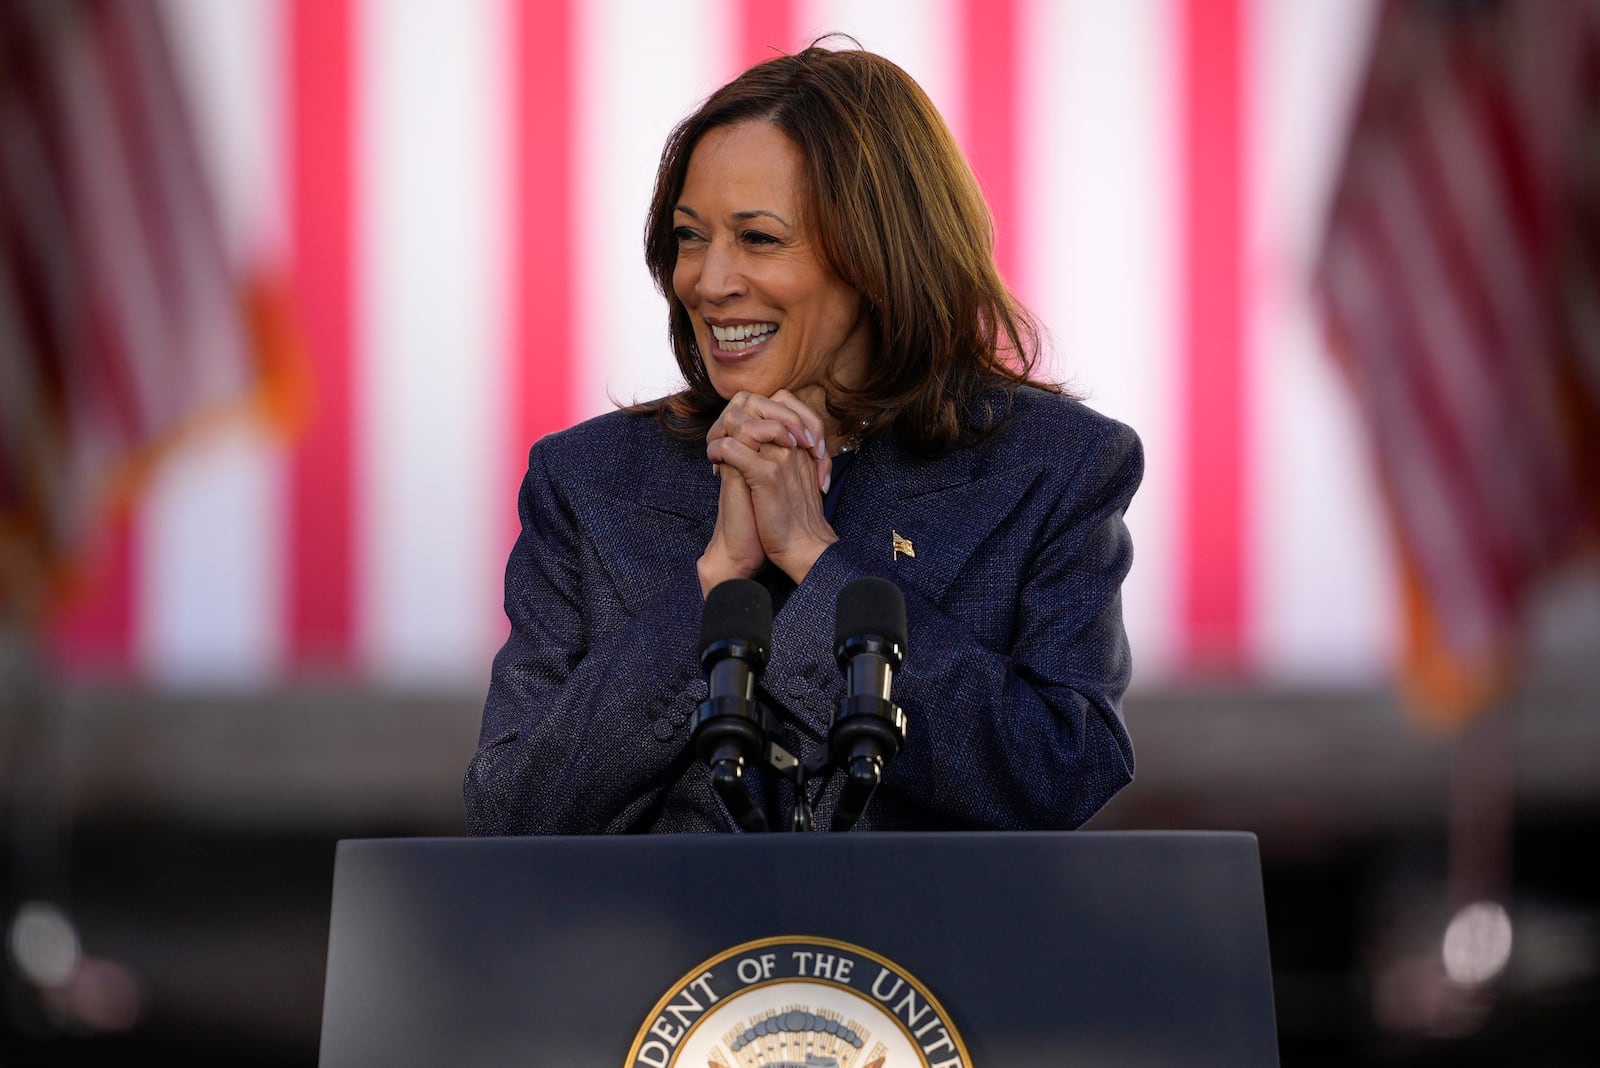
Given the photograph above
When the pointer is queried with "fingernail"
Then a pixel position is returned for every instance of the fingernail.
(811, 442)
(822, 450)
(827, 480)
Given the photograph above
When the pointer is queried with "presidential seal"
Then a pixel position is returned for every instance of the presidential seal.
(798, 1002)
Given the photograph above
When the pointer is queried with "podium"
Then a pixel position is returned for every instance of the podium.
(944, 950)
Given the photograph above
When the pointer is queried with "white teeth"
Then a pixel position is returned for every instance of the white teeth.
(734, 338)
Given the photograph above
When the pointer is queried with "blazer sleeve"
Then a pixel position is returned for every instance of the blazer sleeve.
(1029, 736)
(583, 728)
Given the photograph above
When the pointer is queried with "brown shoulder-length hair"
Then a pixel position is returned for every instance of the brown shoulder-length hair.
(897, 215)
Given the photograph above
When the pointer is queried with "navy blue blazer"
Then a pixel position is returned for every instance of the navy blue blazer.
(1016, 656)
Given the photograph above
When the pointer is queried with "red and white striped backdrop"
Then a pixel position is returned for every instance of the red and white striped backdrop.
(458, 191)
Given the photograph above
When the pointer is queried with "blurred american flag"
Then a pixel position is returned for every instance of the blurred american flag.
(1462, 282)
(122, 328)
(457, 193)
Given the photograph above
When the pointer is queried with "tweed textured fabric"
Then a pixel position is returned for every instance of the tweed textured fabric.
(1016, 656)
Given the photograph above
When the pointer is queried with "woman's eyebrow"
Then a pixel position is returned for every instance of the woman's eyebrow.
(753, 213)
(759, 212)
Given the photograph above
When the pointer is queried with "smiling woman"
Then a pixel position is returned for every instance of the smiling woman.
(767, 311)
(858, 402)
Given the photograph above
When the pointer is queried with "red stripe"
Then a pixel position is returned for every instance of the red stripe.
(322, 563)
(1426, 454)
(1439, 515)
(1523, 447)
(1530, 201)
(1408, 373)
(990, 60)
(766, 30)
(1212, 95)
(542, 294)
(93, 634)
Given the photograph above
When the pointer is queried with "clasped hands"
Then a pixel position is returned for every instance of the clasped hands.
(772, 456)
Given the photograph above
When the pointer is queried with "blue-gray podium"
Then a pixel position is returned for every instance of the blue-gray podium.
(1104, 949)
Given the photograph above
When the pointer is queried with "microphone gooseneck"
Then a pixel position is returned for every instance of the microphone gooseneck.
(868, 729)
(728, 732)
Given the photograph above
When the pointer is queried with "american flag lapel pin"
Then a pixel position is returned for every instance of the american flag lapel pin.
(902, 546)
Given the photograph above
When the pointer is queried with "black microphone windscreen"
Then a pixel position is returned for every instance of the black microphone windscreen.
(737, 609)
(870, 606)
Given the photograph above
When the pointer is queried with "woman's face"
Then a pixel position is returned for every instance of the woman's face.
(767, 313)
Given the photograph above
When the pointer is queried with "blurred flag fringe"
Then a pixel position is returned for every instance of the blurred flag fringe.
(124, 329)
(1460, 281)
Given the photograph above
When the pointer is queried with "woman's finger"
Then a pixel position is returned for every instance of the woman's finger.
(747, 460)
(809, 418)
(820, 449)
(745, 408)
(734, 550)
(785, 505)
(757, 432)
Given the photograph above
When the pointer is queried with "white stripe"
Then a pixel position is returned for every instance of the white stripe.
(214, 364)
(1322, 577)
(211, 577)
(432, 333)
(209, 586)
(642, 66)
(1100, 256)
(919, 35)
(230, 58)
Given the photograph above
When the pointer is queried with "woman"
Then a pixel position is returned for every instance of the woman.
(858, 402)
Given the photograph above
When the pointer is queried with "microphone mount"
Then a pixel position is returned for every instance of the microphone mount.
(733, 728)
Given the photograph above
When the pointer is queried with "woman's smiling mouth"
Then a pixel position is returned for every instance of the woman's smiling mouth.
(740, 339)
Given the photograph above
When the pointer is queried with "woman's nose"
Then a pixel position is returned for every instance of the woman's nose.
(720, 274)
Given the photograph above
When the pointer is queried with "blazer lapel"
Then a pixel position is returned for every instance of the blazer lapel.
(679, 482)
(650, 528)
(925, 518)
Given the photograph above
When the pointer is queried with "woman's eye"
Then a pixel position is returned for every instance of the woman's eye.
(756, 237)
(684, 233)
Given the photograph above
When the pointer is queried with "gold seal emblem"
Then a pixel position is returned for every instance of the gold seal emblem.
(798, 1002)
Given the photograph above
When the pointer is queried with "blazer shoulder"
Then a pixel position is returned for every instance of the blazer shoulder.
(613, 444)
(1044, 424)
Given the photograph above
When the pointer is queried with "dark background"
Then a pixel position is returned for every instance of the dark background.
(191, 841)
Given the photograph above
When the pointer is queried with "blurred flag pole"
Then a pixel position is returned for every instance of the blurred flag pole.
(124, 331)
(1459, 278)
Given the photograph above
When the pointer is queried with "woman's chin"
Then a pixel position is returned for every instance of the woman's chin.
(741, 377)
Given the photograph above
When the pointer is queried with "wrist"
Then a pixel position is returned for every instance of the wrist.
(798, 562)
(714, 573)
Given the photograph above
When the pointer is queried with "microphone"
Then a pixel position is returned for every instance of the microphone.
(868, 729)
(728, 732)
